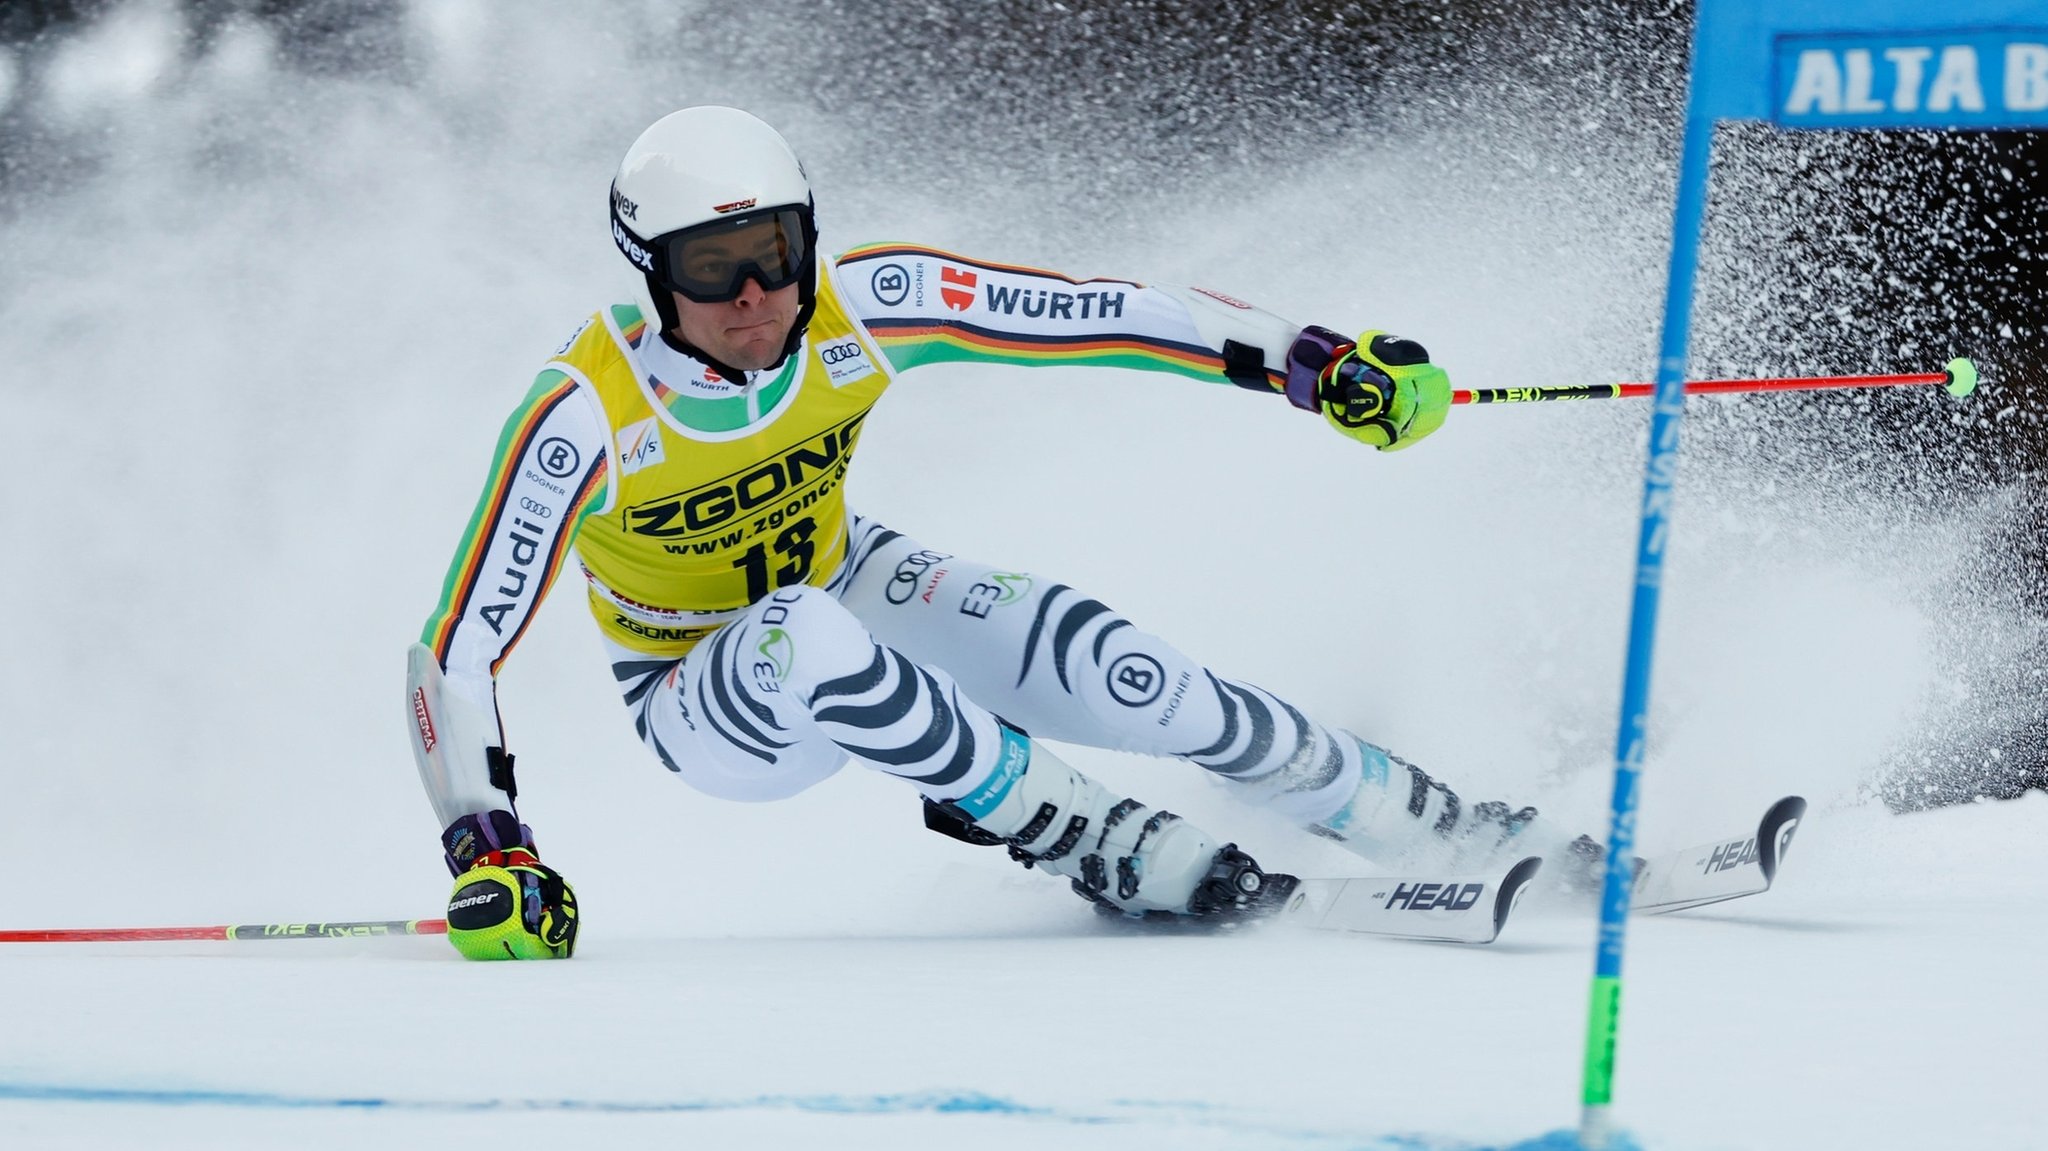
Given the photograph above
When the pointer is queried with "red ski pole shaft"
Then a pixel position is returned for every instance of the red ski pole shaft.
(1960, 378)
(360, 929)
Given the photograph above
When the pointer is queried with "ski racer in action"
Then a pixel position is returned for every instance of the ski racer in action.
(692, 446)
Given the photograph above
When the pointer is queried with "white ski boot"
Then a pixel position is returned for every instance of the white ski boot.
(1400, 812)
(1127, 858)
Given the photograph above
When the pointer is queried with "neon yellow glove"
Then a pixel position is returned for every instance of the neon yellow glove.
(507, 904)
(511, 906)
(1381, 390)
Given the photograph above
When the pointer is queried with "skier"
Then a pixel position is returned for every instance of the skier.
(692, 445)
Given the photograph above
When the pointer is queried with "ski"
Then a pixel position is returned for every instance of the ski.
(1440, 908)
(1721, 870)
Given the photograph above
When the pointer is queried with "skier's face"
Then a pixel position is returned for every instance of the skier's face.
(746, 332)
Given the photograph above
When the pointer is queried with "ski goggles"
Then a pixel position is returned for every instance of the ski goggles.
(711, 263)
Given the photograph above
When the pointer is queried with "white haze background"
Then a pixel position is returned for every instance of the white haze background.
(261, 334)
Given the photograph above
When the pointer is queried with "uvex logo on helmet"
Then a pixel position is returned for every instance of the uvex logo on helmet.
(640, 256)
(736, 206)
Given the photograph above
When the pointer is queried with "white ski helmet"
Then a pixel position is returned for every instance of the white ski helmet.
(711, 173)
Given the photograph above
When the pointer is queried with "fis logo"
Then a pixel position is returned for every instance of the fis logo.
(1730, 855)
(640, 446)
(956, 287)
(1435, 896)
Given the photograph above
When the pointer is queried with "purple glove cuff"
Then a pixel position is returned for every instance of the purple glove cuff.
(474, 835)
(1313, 350)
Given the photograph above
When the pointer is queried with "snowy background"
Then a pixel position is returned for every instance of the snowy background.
(264, 303)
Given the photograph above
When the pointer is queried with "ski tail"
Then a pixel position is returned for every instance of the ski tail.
(1722, 870)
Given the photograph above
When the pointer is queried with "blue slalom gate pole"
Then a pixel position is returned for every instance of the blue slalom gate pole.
(1660, 474)
(1857, 64)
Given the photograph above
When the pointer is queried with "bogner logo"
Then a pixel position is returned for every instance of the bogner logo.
(640, 256)
(801, 473)
(1435, 896)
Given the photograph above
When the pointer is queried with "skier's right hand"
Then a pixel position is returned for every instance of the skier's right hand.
(507, 904)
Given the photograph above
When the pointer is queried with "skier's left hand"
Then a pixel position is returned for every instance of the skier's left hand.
(1381, 390)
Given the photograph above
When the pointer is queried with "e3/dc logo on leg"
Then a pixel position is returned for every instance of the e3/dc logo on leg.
(1135, 679)
(891, 284)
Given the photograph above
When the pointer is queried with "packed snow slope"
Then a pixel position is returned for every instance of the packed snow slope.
(1883, 997)
(262, 330)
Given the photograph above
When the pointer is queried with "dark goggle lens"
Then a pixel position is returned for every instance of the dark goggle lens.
(712, 263)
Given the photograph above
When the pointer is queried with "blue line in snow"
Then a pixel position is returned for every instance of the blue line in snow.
(1121, 1112)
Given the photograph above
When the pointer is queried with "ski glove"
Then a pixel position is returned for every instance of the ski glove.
(507, 904)
(1381, 390)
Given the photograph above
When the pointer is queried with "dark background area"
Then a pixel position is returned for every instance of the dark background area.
(1903, 248)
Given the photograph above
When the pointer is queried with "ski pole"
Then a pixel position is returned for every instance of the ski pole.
(1959, 378)
(354, 930)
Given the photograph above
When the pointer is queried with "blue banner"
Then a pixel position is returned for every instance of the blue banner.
(1872, 63)
(1934, 80)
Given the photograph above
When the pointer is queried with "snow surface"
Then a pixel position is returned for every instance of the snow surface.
(243, 449)
(1886, 995)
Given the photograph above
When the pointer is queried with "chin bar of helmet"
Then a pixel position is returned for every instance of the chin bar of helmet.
(1959, 378)
(363, 929)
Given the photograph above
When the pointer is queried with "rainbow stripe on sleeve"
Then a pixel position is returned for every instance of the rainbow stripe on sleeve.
(911, 343)
(550, 389)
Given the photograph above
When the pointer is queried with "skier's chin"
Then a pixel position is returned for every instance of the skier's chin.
(752, 348)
